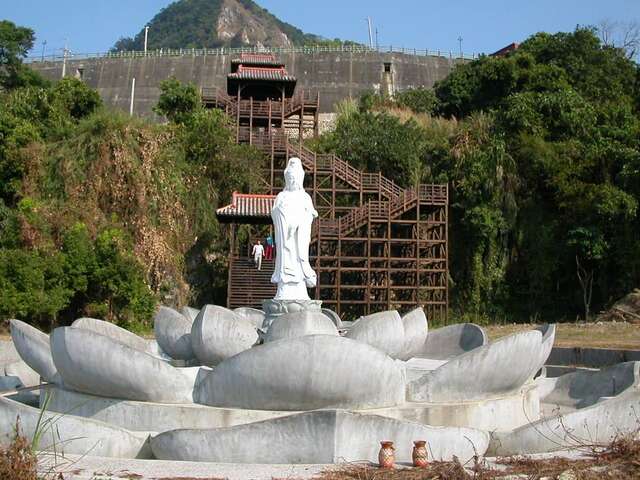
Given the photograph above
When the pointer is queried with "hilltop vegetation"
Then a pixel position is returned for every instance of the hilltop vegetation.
(105, 215)
(218, 23)
(541, 150)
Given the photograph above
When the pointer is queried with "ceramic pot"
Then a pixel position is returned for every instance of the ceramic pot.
(387, 455)
(420, 454)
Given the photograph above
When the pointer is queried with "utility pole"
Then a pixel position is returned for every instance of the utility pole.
(65, 53)
(460, 44)
(368, 19)
(377, 44)
(44, 44)
(146, 36)
(133, 95)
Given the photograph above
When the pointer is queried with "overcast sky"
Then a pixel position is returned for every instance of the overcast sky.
(94, 25)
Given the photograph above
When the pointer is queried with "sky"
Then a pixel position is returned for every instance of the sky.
(89, 26)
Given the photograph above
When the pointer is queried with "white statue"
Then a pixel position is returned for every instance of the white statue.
(292, 215)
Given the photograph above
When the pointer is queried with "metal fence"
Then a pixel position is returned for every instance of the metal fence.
(312, 49)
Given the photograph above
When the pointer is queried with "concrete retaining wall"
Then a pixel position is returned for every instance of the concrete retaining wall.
(336, 75)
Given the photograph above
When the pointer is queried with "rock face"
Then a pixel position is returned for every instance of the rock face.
(448, 342)
(415, 333)
(299, 324)
(73, 435)
(92, 363)
(328, 436)
(33, 347)
(498, 368)
(383, 330)
(110, 330)
(218, 333)
(173, 333)
(305, 373)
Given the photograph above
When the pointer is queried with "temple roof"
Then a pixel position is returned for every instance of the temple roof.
(254, 208)
(260, 73)
(256, 59)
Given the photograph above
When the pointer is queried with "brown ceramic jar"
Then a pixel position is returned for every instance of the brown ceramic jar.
(387, 455)
(420, 454)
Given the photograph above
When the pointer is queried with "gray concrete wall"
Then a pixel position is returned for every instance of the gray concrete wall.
(336, 75)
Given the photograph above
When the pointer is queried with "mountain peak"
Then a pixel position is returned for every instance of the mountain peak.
(216, 23)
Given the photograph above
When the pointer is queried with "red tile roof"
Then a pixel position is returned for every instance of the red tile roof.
(260, 73)
(257, 59)
(248, 205)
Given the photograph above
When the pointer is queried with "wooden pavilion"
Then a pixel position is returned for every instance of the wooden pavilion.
(375, 246)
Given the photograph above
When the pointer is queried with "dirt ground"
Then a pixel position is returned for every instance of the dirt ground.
(595, 335)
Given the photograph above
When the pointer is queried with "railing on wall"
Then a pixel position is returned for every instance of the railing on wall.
(311, 49)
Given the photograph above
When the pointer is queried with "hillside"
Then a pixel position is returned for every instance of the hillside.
(216, 23)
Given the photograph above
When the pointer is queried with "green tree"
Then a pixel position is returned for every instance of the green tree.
(177, 101)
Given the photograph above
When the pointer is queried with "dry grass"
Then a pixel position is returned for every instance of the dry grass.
(619, 460)
(586, 335)
(17, 460)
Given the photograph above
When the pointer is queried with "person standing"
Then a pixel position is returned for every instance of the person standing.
(268, 252)
(258, 252)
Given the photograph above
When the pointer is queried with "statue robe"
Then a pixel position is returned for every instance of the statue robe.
(292, 215)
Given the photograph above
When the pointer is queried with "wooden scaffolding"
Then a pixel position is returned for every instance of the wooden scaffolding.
(376, 246)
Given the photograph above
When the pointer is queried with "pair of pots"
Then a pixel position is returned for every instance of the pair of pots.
(387, 454)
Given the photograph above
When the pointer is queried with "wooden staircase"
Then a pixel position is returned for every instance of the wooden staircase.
(248, 286)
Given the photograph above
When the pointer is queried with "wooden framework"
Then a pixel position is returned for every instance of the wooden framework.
(376, 246)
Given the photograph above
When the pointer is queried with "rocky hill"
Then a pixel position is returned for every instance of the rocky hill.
(216, 23)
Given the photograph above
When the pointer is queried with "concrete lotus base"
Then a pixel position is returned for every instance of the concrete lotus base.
(71, 434)
(326, 436)
(503, 413)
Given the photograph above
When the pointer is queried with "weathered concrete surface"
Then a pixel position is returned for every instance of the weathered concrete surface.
(299, 324)
(79, 467)
(115, 332)
(548, 338)
(218, 333)
(335, 75)
(504, 412)
(72, 434)
(591, 357)
(27, 375)
(253, 315)
(190, 313)
(498, 368)
(335, 318)
(99, 365)
(33, 347)
(8, 352)
(598, 424)
(173, 333)
(304, 373)
(152, 416)
(316, 437)
(448, 342)
(415, 333)
(586, 388)
(382, 330)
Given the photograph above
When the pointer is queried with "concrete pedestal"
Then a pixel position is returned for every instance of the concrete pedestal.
(274, 308)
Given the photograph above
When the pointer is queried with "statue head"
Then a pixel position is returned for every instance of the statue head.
(294, 175)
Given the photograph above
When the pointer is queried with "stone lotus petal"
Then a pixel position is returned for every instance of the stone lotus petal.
(584, 388)
(74, 435)
(415, 333)
(173, 333)
(598, 424)
(335, 318)
(383, 330)
(498, 368)
(327, 436)
(304, 373)
(33, 346)
(548, 337)
(299, 324)
(218, 333)
(453, 340)
(190, 313)
(253, 315)
(111, 330)
(8, 352)
(99, 365)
